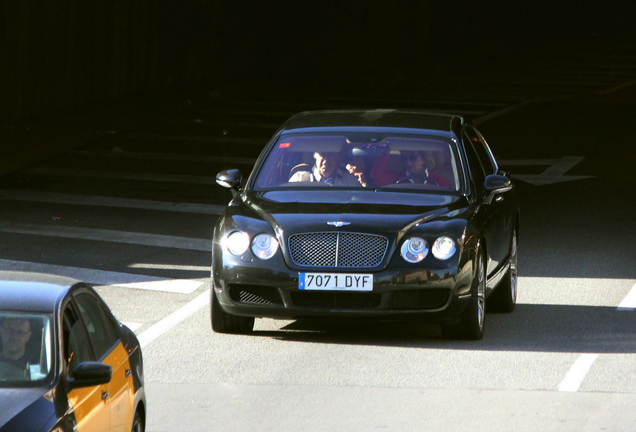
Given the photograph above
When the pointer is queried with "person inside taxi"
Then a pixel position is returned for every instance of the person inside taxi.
(14, 335)
(327, 169)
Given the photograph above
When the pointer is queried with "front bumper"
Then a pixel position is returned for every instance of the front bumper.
(247, 286)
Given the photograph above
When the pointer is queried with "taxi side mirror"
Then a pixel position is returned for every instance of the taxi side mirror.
(88, 374)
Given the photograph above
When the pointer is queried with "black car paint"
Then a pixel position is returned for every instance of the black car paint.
(477, 220)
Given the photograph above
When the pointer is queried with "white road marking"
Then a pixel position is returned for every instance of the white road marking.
(60, 198)
(502, 111)
(555, 173)
(584, 362)
(629, 302)
(179, 286)
(174, 318)
(96, 234)
(166, 156)
(526, 162)
(106, 278)
(122, 176)
(577, 373)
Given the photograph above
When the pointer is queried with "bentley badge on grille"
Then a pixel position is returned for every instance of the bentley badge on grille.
(338, 223)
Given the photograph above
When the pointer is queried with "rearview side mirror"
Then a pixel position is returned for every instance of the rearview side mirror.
(495, 184)
(88, 374)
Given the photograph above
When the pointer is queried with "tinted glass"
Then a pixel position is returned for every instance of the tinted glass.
(483, 152)
(101, 330)
(76, 346)
(476, 170)
(26, 348)
(361, 160)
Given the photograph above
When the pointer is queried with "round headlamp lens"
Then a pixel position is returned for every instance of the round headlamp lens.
(264, 246)
(414, 249)
(444, 248)
(237, 242)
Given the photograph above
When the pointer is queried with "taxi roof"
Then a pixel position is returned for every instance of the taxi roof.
(32, 292)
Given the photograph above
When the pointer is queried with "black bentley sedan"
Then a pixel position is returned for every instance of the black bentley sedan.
(381, 214)
(66, 363)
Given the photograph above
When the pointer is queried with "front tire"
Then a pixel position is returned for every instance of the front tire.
(223, 322)
(138, 424)
(471, 324)
(504, 299)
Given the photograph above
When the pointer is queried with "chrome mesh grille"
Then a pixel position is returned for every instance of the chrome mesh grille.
(332, 249)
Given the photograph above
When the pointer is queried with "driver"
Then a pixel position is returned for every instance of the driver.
(14, 334)
(327, 169)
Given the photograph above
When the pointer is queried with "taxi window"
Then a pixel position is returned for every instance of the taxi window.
(100, 328)
(76, 346)
(26, 348)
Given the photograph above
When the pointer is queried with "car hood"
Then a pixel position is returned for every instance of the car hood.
(365, 211)
(17, 402)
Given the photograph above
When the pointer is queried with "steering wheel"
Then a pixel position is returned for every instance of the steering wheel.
(427, 179)
(10, 371)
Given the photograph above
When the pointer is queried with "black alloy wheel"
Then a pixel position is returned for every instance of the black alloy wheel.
(504, 299)
(471, 324)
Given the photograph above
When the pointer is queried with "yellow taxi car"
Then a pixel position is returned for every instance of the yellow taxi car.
(66, 363)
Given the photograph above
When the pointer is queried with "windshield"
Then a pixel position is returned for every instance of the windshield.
(360, 160)
(26, 348)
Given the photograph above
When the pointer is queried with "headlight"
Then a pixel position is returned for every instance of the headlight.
(414, 249)
(264, 246)
(237, 242)
(444, 248)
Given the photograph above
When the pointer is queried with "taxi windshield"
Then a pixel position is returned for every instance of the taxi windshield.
(359, 160)
(26, 348)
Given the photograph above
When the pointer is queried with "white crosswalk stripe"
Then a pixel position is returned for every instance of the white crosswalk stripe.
(103, 278)
(103, 201)
(166, 156)
(122, 175)
(97, 234)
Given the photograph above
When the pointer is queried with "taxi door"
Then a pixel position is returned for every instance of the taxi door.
(108, 348)
(89, 404)
(120, 389)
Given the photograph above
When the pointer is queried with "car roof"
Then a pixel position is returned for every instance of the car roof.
(32, 292)
(380, 118)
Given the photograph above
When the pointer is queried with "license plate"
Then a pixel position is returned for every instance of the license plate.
(335, 281)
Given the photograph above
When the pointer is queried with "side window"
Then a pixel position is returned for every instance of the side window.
(482, 151)
(476, 170)
(76, 346)
(101, 330)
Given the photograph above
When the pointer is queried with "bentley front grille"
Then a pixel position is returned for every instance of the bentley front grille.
(333, 249)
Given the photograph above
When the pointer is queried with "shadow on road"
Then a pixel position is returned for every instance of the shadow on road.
(539, 328)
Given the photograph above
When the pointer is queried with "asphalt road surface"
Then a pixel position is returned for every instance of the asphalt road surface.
(132, 212)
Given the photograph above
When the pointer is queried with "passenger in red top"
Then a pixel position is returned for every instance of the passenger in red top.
(414, 171)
